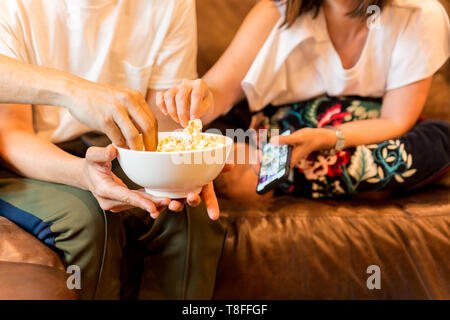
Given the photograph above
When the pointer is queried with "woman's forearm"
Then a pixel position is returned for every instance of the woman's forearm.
(372, 131)
(222, 102)
(400, 111)
(224, 78)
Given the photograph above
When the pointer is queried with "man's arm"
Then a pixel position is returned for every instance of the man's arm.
(120, 113)
(33, 157)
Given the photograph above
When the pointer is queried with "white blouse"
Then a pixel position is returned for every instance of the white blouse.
(298, 63)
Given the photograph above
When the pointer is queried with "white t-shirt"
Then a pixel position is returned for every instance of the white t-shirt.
(300, 63)
(138, 44)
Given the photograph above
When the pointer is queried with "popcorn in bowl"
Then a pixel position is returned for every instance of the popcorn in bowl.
(192, 139)
(171, 174)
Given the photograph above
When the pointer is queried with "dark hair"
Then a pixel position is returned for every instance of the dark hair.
(295, 8)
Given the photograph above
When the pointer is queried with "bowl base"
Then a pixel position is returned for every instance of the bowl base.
(174, 194)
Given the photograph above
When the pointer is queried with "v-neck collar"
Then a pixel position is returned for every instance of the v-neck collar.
(322, 23)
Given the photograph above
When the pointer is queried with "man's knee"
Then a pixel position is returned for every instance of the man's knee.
(83, 219)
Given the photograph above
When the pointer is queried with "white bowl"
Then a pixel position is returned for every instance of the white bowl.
(174, 174)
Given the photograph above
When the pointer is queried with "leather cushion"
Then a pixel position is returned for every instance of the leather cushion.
(307, 249)
(25, 281)
(17, 245)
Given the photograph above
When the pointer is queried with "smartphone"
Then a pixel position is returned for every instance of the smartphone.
(275, 166)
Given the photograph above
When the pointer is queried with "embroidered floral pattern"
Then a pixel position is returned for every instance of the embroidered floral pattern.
(330, 173)
(333, 116)
(394, 162)
(362, 110)
(324, 163)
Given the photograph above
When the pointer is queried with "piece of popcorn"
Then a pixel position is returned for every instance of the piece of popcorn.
(193, 139)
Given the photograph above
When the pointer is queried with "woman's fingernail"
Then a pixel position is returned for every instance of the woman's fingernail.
(212, 214)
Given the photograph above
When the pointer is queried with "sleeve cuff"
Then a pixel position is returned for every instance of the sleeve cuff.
(415, 78)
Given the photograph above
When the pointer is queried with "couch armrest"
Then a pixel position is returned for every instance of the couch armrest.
(26, 281)
(17, 245)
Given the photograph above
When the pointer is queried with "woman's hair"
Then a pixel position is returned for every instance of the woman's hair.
(295, 8)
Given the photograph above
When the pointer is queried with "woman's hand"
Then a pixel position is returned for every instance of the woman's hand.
(189, 100)
(208, 195)
(306, 141)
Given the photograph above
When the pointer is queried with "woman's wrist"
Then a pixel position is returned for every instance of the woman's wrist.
(326, 139)
(210, 115)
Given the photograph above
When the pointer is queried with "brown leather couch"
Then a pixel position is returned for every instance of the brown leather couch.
(290, 248)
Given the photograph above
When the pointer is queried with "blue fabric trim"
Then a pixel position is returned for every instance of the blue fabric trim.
(40, 229)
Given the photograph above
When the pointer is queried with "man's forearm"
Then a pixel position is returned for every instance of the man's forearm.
(33, 157)
(27, 84)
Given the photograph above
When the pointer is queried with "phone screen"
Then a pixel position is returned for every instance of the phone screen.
(274, 164)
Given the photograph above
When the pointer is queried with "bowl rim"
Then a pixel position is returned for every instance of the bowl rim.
(228, 140)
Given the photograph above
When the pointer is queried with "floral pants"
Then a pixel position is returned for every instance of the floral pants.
(406, 162)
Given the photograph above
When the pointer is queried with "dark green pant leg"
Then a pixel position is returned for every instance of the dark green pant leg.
(109, 280)
(67, 219)
(182, 254)
(206, 240)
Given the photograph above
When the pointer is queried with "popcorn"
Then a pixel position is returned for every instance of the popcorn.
(192, 139)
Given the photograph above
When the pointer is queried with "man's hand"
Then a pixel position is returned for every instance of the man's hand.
(189, 100)
(119, 113)
(122, 114)
(111, 193)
